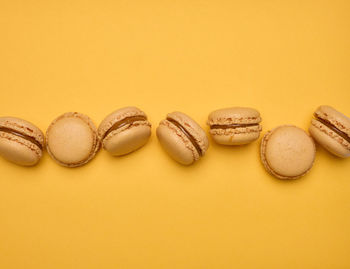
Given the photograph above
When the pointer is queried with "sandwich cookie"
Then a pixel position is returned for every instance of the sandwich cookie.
(21, 142)
(71, 139)
(287, 152)
(125, 130)
(331, 129)
(235, 125)
(182, 138)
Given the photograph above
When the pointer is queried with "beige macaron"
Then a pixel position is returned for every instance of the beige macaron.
(71, 139)
(287, 152)
(182, 138)
(21, 142)
(124, 131)
(331, 129)
(235, 125)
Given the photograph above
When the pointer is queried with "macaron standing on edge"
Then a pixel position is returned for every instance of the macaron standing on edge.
(331, 129)
(235, 125)
(21, 142)
(71, 139)
(287, 152)
(124, 130)
(182, 138)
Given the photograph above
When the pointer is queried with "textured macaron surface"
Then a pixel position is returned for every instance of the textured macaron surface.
(21, 142)
(124, 130)
(182, 138)
(72, 139)
(334, 117)
(235, 125)
(331, 129)
(234, 115)
(23, 128)
(176, 143)
(287, 152)
(133, 114)
(191, 127)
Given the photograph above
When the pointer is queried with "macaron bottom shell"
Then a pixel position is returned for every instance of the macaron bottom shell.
(122, 142)
(329, 140)
(235, 137)
(19, 151)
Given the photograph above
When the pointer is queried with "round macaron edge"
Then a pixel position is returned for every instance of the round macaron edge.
(92, 127)
(264, 160)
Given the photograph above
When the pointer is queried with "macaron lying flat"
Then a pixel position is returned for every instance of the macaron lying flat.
(235, 125)
(287, 152)
(71, 139)
(21, 142)
(182, 138)
(331, 129)
(124, 130)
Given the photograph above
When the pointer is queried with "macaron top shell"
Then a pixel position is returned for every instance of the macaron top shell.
(234, 115)
(72, 139)
(339, 120)
(191, 127)
(117, 116)
(24, 127)
(288, 152)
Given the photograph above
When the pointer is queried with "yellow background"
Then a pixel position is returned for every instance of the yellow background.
(143, 210)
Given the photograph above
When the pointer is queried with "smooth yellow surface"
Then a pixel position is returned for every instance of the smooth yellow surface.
(143, 210)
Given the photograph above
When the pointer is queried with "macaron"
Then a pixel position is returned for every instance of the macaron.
(331, 129)
(71, 139)
(182, 138)
(21, 142)
(287, 152)
(235, 125)
(124, 130)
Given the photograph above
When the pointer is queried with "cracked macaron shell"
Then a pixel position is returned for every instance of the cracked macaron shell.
(71, 139)
(287, 152)
(17, 148)
(235, 115)
(327, 137)
(176, 143)
(127, 138)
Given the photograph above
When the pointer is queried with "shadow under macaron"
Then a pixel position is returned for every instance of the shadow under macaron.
(331, 158)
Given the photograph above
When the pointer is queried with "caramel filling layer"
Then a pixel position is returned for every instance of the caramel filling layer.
(233, 126)
(124, 122)
(189, 136)
(333, 128)
(26, 137)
